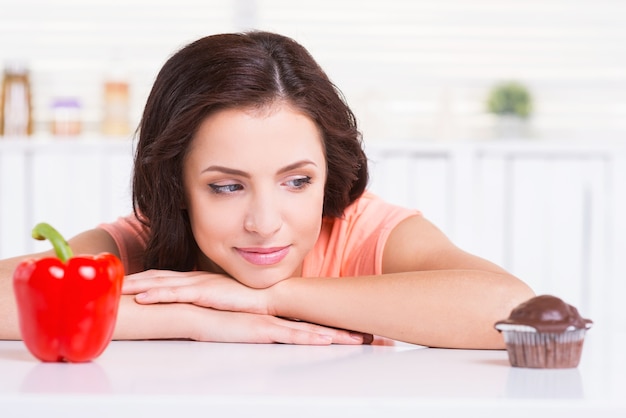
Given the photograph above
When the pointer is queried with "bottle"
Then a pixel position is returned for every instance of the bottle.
(66, 119)
(16, 107)
(116, 120)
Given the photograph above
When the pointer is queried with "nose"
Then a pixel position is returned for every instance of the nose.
(263, 216)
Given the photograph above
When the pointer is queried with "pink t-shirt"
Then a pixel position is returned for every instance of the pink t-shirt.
(350, 246)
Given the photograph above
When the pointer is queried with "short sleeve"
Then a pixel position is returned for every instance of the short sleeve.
(131, 238)
(354, 244)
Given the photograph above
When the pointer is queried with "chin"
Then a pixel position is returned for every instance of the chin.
(267, 279)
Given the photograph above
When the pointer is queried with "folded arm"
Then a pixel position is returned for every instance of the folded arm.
(430, 293)
(180, 320)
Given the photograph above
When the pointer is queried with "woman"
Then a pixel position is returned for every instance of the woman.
(251, 207)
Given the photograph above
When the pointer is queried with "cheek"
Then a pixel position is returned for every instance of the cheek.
(309, 216)
(210, 223)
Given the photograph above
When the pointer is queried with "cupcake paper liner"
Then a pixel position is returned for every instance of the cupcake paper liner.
(529, 348)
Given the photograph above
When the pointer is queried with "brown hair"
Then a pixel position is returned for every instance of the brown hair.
(251, 69)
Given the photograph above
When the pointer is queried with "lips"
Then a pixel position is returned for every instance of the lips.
(263, 256)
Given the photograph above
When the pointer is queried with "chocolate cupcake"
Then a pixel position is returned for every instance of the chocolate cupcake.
(544, 332)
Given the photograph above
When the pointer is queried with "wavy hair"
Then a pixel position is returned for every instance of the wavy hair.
(252, 69)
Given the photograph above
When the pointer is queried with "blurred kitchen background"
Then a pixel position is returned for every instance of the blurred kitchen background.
(412, 69)
(504, 121)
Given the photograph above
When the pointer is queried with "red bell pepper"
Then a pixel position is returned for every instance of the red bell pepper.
(67, 306)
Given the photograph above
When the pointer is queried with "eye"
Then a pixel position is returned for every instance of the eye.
(225, 188)
(299, 182)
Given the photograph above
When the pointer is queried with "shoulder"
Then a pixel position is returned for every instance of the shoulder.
(368, 215)
(131, 238)
(127, 228)
(372, 212)
(353, 244)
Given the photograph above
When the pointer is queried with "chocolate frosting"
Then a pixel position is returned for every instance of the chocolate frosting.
(547, 313)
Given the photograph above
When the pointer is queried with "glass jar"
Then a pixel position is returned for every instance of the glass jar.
(116, 119)
(66, 120)
(16, 106)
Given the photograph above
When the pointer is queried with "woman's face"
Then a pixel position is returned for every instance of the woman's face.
(254, 184)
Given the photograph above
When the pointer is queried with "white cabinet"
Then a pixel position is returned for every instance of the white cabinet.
(74, 185)
(551, 213)
(549, 221)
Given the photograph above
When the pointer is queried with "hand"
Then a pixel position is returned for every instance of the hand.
(248, 319)
(199, 288)
(242, 327)
(244, 310)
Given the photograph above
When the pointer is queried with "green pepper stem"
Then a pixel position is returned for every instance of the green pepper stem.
(43, 231)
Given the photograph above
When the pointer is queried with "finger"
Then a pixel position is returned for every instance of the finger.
(144, 283)
(340, 336)
(288, 335)
(254, 328)
(161, 275)
(169, 294)
(149, 274)
(138, 286)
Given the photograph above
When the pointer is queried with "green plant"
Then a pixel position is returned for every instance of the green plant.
(510, 98)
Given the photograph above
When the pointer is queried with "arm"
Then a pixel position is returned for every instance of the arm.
(163, 321)
(431, 293)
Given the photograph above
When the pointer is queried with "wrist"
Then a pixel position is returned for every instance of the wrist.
(275, 296)
(158, 321)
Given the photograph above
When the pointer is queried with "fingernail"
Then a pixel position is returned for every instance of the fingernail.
(141, 295)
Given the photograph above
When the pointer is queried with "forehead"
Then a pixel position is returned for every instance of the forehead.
(236, 135)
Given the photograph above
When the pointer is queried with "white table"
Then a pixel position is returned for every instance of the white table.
(183, 378)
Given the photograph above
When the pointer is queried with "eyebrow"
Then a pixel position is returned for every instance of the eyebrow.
(236, 172)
